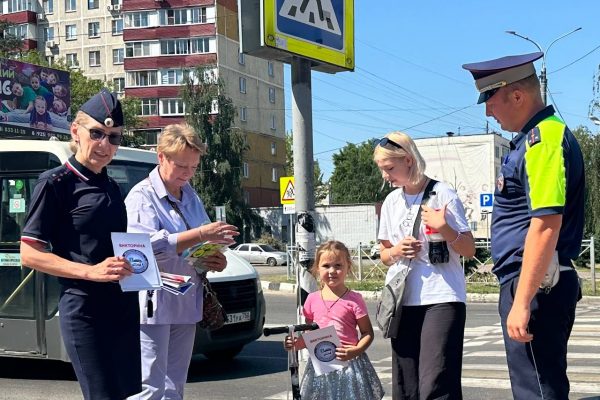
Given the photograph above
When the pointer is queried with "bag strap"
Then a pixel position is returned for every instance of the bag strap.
(424, 199)
(178, 211)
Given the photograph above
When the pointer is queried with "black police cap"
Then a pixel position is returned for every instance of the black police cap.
(493, 74)
(105, 108)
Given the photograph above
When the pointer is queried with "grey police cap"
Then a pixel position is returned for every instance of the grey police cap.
(105, 108)
(493, 74)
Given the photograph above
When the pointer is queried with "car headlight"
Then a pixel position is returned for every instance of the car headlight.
(258, 285)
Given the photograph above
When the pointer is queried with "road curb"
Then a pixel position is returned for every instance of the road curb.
(374, 295)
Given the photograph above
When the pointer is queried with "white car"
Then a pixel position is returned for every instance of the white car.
(374, 253)
(259, 253)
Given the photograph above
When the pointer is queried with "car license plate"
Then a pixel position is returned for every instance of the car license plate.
(236, 318)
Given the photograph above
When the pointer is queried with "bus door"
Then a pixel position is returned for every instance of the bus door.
(27, 298)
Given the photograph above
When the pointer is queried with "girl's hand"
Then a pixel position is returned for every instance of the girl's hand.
(296, 344)
(346, 352)
(408, 247)
(218, 232)
(435, 219)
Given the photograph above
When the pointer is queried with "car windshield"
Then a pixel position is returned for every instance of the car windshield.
(268, 248)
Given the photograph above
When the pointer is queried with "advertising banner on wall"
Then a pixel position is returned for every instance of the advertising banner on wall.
(35, 101)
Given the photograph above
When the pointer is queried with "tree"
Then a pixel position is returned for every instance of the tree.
(9, 43)
(321, 188)
(356, 178)
(218, 180)
(590, 147)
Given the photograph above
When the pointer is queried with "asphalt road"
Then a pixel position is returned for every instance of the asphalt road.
(260, 371)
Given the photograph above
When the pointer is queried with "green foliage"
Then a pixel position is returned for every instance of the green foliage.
(320, 188)
(590, 147)
(271, 241)
(9, 43)
(356, 178)
(218, 180)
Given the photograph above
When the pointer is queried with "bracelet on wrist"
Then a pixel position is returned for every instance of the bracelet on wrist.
(200, 233)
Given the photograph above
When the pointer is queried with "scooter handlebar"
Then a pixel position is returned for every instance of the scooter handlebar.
(285, 329)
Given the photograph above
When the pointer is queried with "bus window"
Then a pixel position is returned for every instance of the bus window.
(128, 173)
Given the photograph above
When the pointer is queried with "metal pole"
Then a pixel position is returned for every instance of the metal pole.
(359, 261)
(303, 170)
(593, 263)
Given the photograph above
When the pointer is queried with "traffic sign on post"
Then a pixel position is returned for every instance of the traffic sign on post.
(322, 30)
(486, 202)
(287, 193)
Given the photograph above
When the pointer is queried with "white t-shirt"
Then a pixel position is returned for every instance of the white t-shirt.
(426, 283)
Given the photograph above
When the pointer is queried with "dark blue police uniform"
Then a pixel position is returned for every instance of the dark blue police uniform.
(73, 211)
(543, 174)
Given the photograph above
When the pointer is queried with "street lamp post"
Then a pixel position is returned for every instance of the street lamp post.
(543, 79)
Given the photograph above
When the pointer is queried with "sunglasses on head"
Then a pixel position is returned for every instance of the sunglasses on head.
(385, 141)
(98, 135)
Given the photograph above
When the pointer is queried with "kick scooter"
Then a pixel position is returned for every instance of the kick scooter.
(292, 354)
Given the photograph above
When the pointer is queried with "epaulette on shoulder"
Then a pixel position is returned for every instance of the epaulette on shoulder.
(58, 175)
(534, 136)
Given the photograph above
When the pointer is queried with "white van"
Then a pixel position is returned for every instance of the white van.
(29, 325)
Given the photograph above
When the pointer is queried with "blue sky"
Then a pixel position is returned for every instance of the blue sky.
(408, 72)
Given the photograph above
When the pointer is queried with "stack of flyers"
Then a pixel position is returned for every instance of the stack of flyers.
(176, 284)
(195, 254)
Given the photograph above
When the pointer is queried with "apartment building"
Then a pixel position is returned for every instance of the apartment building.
(145, 46)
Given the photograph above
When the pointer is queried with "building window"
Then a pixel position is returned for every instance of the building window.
(149, 107)
(50, 60)
(48, 6)
(142, 78)
(245, 170)
(137, 49)
(92, 4)
(136, 20)
(273, 122)
(198, 15)
(118, 55)
(150, 136)
(94, 58)
(119, 85)
(242, 84)
(71, 32)
(172, 77)
(70, 5)
(20, 5)
(270, 69)
(242, 58)
(184, 46)
(18, 31)
(274, 175)
(272, 95)
(48, 34)
(117, 26)
(496, 151)
(182, 16)
(72, 60)
(243, 114)
(172, 107)
(273, 148)
(94, 29)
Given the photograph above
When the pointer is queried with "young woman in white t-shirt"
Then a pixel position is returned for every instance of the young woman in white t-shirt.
(427, 353)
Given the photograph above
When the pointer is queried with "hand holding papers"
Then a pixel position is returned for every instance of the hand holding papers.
(195, 254)
(321, 345)
(136, 248)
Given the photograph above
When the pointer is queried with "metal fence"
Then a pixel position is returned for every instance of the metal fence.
(369, 267)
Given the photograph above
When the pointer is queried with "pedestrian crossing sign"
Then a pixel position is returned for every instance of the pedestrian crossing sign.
(287, 193)
(322, 30)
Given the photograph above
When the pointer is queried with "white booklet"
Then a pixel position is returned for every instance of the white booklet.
(321, 345)
(136, 248)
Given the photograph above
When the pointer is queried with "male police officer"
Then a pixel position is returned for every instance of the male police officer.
(537, 226)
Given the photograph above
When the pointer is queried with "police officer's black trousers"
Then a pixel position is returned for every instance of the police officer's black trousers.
(427, 354)
(101, 333)
(538, 369)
